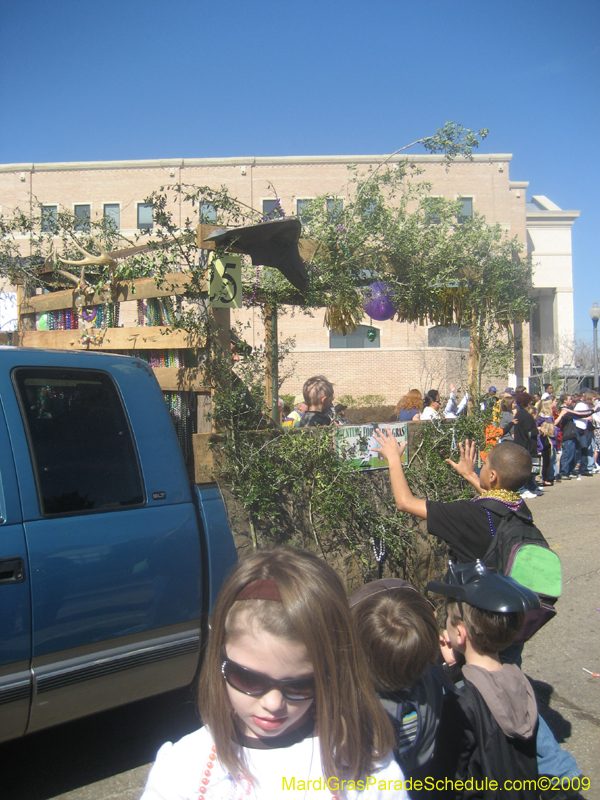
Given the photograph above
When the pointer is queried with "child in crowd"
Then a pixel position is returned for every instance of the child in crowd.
(287, 702)
(318, 396)
(489, 729)
(468, 526)
(399, 635)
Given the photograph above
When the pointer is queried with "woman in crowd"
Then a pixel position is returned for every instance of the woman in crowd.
(410, 406)
(547, 430)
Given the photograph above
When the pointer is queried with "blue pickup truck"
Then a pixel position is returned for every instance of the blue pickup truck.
(109, 559)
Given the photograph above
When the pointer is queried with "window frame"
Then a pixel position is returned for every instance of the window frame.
(461, 218)
(211, 218)
(267, 214)
(145, 226)
(85, 225)
(44, 225)
(104, 214)
(374, 345)
(307, 201)
(330, 207)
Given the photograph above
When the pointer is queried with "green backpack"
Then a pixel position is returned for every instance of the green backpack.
(519, 550)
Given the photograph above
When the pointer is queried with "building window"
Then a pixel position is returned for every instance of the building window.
(145, 221)
(448, 336)
(358, 339)
(112, 215)
(335, 206)
(431, 206)
(466, 210)
(82, 217)
(301, 206)
(49, 219)
(270, 209)
(208, 213)
(369, 209)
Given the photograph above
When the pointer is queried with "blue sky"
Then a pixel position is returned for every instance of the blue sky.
(83, 81)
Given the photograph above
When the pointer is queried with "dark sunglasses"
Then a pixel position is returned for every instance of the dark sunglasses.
(256, 684)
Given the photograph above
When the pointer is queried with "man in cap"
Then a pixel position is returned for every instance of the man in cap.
(300, 409)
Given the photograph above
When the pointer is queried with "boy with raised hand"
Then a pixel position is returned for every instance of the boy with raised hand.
(489, 729)
(467, 526)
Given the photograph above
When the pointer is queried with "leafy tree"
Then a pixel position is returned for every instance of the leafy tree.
(440, 267)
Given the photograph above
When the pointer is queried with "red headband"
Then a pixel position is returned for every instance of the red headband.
(265, 589)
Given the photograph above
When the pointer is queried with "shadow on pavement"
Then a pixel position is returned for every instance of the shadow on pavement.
(59, 760)
(559, 726)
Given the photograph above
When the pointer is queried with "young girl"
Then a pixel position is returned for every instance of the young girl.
(285, 695)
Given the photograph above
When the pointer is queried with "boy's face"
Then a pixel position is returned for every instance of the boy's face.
(484, 475)
(327, 403)
(453, 634)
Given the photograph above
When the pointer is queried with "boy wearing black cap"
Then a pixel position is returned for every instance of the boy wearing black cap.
(489, 730)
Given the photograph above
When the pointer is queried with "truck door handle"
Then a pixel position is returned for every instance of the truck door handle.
(12, 570)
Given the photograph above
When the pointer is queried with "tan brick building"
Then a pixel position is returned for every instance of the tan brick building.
(402, 356)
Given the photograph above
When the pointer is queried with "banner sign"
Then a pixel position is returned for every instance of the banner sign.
(225, 281)
(355, 443)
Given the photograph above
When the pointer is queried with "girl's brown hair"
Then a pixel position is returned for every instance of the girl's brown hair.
(354, 730)
(412, 399)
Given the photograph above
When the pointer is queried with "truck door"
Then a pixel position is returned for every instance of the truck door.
(115, 584)
(15, 607)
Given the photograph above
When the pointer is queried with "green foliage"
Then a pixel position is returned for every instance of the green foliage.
(362, 401)
(454, 140)
(296, 491)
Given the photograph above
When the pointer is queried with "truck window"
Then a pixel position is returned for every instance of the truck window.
(81, 446)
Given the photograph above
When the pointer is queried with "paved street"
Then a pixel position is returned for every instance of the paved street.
(108, 757)
(555, 658)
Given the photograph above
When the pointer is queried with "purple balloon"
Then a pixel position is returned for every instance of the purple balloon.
(379, 301)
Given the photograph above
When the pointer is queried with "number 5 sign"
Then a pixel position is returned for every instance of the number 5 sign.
(225, 282)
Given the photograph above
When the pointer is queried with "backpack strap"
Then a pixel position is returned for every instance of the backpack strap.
(522, 513)
(500, 508)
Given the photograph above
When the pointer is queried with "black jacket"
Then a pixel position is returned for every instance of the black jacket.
(476, 749)
(525, 431)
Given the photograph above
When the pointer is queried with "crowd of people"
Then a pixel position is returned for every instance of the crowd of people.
(561, 433)
(307, 693)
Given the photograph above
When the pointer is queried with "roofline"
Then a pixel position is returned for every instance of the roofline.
(248, 162)
(542, 218)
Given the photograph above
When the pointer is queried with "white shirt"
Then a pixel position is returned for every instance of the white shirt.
(429, 413)
(581, 423)
(448, 413)
(179, 768)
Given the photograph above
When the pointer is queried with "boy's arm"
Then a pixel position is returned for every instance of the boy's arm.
(403, 497)
(466, 464)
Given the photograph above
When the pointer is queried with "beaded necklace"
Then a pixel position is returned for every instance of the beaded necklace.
(504, 496)
(509, 499)
(242, 785)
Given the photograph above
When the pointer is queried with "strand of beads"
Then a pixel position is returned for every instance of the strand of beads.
(208, 771)
(243, 783)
